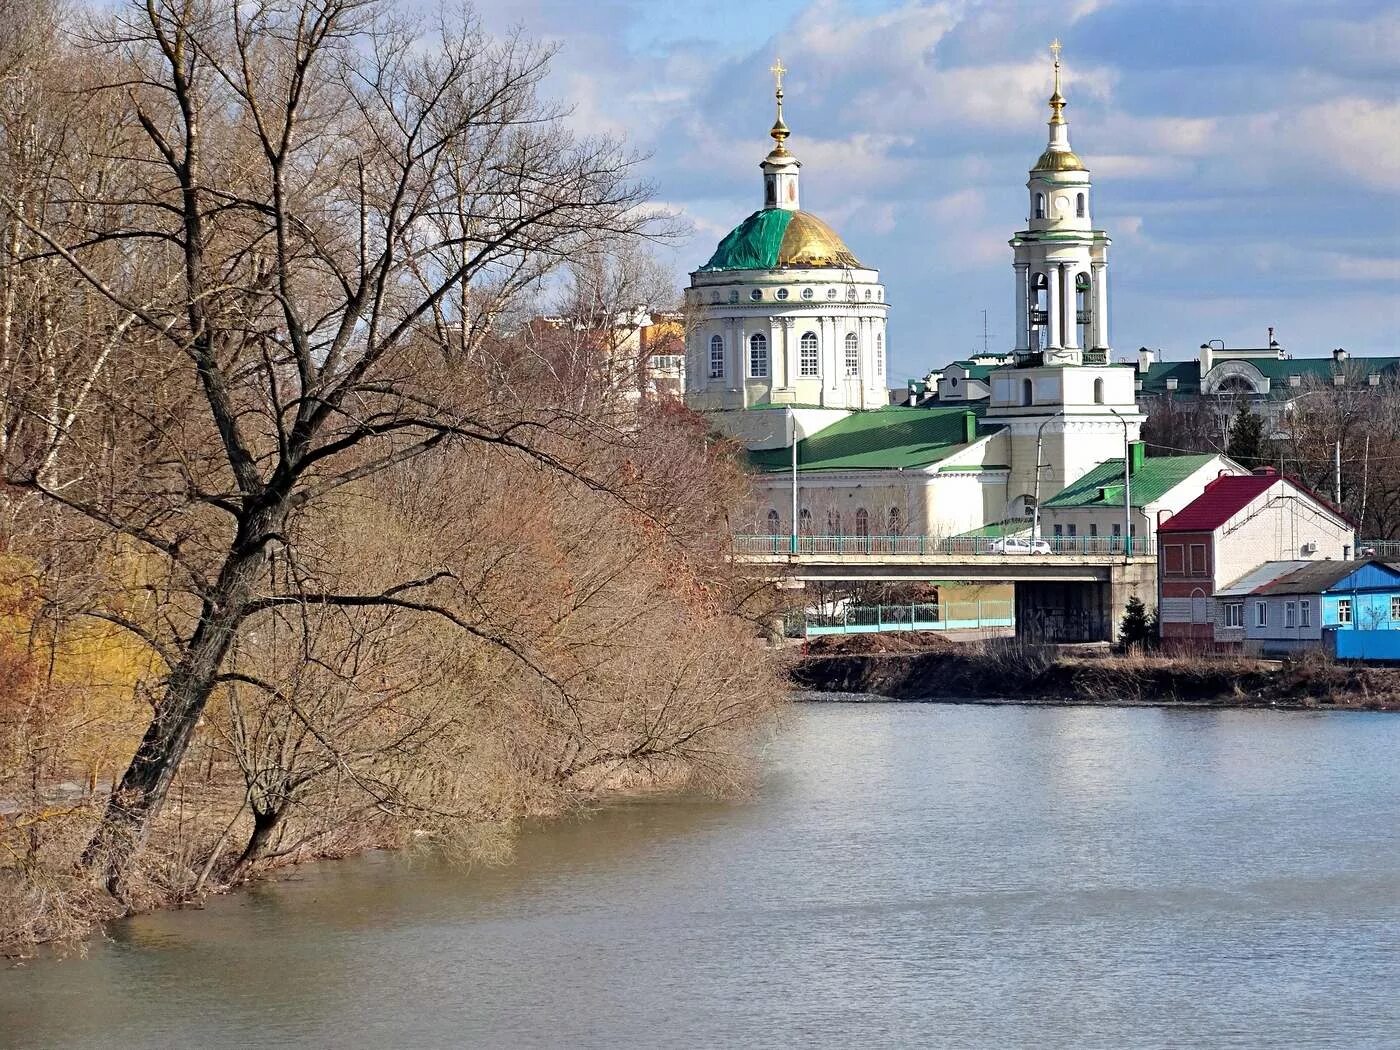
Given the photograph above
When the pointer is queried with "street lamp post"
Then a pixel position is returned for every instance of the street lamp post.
(792, 435)
(1127, 488)
(1035, 511)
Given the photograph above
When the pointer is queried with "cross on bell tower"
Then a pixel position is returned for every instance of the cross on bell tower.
(780, 166)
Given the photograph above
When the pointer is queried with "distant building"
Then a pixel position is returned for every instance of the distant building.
(1218, 539)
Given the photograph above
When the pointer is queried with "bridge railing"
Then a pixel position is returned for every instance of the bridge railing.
(765, 543)
(1387, 549)
(915, 616)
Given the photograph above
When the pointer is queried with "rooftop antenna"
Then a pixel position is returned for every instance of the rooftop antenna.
(986, 339)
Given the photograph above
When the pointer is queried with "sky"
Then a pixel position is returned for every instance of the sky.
(1245, 154)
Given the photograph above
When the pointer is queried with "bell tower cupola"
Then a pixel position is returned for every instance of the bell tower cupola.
(780, 166)
(1061, 261)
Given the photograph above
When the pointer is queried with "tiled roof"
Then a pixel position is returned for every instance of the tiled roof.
(1223, 498)
(880, 438)
(1319, 576)
(1258, 576)
(1103, 486)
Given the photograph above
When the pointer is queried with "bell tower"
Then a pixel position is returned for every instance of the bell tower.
(1060, 260)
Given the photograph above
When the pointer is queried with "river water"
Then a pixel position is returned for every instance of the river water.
(905, 875)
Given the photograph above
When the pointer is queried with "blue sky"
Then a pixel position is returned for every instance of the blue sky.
(1245, 155)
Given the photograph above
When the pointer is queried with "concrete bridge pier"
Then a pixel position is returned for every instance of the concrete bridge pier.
(1071, 611)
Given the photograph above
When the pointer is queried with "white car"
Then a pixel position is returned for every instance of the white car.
(1019, 545)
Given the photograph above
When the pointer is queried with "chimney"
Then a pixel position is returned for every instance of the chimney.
(1265, 472)
(1145, 358)
(1339, 355)
(1137, 453)
(1172, 383)
(969, 427)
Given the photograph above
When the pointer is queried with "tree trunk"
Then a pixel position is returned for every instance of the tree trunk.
(264, 824)
(135, 802)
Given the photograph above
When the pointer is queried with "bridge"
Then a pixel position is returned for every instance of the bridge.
(1075, 593)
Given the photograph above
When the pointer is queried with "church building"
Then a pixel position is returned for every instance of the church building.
(786, 343)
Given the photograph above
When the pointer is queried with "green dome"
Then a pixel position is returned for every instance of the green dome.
(774, 239)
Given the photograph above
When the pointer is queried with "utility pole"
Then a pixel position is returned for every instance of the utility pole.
(1337, 474)
(792, 424)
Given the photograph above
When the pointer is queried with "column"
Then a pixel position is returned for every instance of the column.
(788, 375)
(1100, 274)
(1071, 302)
(831, 352)
(1023, 328)
(737, 355)
(1052, 303)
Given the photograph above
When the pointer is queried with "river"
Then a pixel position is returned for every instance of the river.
(905, 875)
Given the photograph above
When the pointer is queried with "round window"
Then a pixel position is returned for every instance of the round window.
(756, 294)
(867, 295)
(807, 293)
(831, 293)
(734, 296)
(782, 293)
(714, 297)
(850, 293)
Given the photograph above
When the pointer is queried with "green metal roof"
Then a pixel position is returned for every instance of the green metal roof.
(997, 530)
(890, 438)
(1103, 486)
(753, 244)
(1188, 373)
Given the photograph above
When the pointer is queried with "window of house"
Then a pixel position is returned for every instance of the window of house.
(833, 523)
(773, 520)
(1073, 531)
(756, 294)
(714, 297)
(831, 293)
(1198, 557)
(1234, 614)
(851, 294)
(782, 293)
(758, 356)
(879, 354)
(1079, 206)
(852, 354)
(734, 295)
(1344, 611)
(1395, 608)
(808, 357)
(1027, 392)
(1290, 614)
(862, 522)
(868, 294)
(1173, 557)
(804, 521)
(1261, 614)
(717, 357)
(1040, 205)
(1305, 614)
(896, 521)
(1098, 391)
(1059, 532)
(807, 293)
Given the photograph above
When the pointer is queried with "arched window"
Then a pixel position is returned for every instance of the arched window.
(852, 354)
(851, 294)
(879, 354)
(1040, 205)
(804, 522)
(862, 523)
(896, 521)
(1083, 309)
(716, 357)
(714, 297)
(1040, 310)
(1027, 392)
(773, 522)
(1080, 206)
(758, 356)
(809, 357)
(1098, 391)
(868, 294)
(734, 295)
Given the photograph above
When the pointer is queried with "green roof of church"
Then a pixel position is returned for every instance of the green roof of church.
(889, 438)
(1103, 486)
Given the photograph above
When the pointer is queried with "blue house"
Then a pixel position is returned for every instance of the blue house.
(1349, 608)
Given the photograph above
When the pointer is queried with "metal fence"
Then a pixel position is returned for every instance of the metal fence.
(755, 543)
(1389, 550)
(915, 616)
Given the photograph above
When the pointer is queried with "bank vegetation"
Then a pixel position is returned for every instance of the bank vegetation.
(314, 535)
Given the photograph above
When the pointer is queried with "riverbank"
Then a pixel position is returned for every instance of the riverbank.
(1007, 672)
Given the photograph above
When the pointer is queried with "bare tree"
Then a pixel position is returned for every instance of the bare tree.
(330, 207)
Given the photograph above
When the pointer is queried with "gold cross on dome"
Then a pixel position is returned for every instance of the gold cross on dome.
(777, 69)
(1055, 48)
